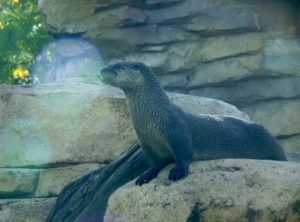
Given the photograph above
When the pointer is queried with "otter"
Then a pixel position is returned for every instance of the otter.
(169, 134)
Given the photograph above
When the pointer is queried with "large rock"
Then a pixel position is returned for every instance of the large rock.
(18, 182)
(225, 70)
(62, 122)
(281, 117)
(282, 56)
(292, 147)
(52, 181)
(219, 190)
(25, 210)
(259, 89)
(74, 122)
(225, 46)
(224, 17)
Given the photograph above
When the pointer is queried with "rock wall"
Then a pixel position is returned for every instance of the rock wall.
(243, 52)
(55, 133)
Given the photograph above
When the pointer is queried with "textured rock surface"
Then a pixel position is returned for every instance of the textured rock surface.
(281, 117)
(282, 56)
(267, 191)
(18, 182)
(25, 210)
(292, 144)
(67, 122)
(75, 122)
(52, 181)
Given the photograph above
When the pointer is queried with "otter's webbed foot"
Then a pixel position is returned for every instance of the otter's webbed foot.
(147, 176)
(178, 171)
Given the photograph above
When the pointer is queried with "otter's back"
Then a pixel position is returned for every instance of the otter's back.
(216, 137)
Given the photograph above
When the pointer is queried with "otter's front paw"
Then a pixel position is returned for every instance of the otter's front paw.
(178, 172)
(147, 176)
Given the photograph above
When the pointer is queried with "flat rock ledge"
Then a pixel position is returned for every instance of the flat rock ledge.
(217, 190)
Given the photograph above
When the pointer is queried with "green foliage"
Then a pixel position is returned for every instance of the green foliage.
(22, 36)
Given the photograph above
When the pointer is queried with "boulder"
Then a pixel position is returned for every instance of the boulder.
(252, 91)
(62, 122)
(218, 47)
(26, 210)
(282, 56)
(18, 182)
(292, 147)
(267, 191)
(52, 181)
(215, 52)
(229, 69)
(74, 122)
(224, 17)
(281, 117)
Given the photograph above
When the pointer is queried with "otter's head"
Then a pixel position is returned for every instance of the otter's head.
(127, 75)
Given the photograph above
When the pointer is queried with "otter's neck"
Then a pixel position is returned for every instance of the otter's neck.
(147, 103)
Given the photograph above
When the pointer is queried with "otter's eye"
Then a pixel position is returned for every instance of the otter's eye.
(135, 67)
(119, 67)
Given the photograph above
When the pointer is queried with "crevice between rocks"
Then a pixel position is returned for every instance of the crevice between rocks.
(196, 213)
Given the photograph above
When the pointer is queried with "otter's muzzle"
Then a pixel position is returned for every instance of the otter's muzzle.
(108, 76)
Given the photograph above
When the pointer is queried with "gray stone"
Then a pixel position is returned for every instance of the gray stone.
(222, 18)
(213, 52)
(82, 16)
(225, 70)
(53, 180)
(60, 122)
(118, 43)
(178, 12)
(26, 210)
(251, 91)
(281, 117)
(71, 121)
(292, 147)
(282, 56)
(278, 17)
(175, 58)
(225, 46)
(210, 106)
(218, 190)
(18, 182)
(61, 16)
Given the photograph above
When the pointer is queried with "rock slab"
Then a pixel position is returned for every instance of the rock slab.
(75, 122)
(218, 190)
